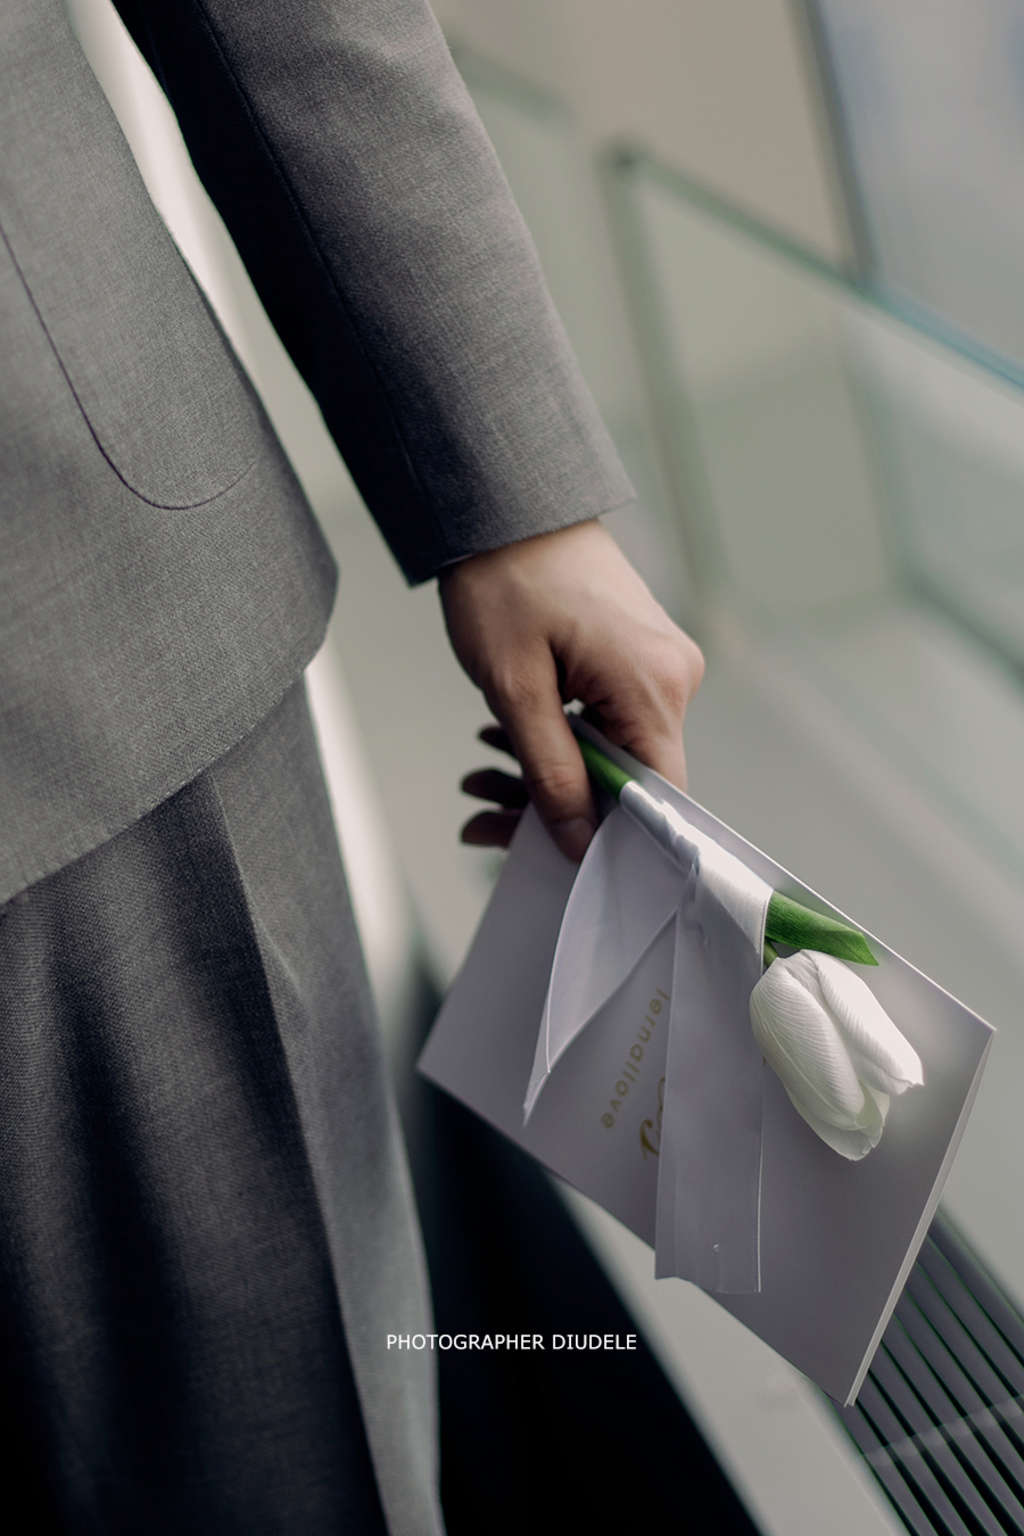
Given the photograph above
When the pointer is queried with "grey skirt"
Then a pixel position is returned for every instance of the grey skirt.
(206, 1228)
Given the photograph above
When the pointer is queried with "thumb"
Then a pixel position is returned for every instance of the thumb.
(531, 712)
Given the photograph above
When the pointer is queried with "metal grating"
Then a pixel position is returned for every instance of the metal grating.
(940, 1417)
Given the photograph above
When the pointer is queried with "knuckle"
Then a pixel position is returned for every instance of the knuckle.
(680, 670)
(554, 785)
(698, 663)
(511, 690)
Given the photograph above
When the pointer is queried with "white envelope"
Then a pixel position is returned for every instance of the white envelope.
(837, 1238)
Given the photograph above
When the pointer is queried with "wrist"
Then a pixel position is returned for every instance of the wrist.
(521, 550)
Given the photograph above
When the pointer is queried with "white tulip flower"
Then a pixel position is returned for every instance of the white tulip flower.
(836, 1051)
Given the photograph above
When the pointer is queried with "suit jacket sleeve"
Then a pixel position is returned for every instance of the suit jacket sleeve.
(342, 149)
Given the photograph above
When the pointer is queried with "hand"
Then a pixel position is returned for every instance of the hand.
(558, 617)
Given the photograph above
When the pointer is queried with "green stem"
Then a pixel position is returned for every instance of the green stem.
(788, 922)
(602, 770)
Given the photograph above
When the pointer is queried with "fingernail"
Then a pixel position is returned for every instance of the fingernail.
(573, 836)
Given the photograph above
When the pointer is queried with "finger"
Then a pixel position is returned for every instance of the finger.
(664, 753)
(491, 784)
(490, 829)
(661, 749)
(644, 713)
(676, 675)
(496, 736)
(531, 712)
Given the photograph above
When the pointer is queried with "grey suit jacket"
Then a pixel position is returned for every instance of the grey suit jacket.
(161, 578)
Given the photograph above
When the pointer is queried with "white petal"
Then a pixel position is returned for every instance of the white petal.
(882, 1056)
(803, 1046)
(854, 1144)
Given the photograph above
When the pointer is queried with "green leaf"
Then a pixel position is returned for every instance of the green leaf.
(790, 923)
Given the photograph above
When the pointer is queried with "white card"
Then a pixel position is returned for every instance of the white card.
(837, 1238)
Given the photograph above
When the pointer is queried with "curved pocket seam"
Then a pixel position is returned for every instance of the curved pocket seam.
(150, 501)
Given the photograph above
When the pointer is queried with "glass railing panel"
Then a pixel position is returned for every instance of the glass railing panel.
(750, 350)
(949, 438)
(855, 484)
(930, 97)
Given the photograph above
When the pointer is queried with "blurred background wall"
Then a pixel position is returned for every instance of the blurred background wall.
(786, 239)
(721, 91)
